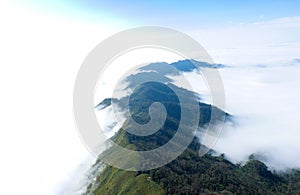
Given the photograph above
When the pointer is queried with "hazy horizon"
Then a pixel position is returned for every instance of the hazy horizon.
(44, 43)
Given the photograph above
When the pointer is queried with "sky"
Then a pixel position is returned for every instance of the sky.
(233, 32)
(189, 14)
(43, 44)
(192, 14)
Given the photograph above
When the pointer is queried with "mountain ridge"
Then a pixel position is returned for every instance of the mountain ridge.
(189, 173)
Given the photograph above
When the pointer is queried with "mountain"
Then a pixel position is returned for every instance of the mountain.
(105, 103)
(189, 173)
(181, 65)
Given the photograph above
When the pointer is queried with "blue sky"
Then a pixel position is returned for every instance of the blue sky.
(189, 14)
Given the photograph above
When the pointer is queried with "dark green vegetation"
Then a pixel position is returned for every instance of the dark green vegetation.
(188, 173)
(191, 174)
(126, 182)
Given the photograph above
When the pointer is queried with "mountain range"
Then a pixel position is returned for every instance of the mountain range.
(189, 173)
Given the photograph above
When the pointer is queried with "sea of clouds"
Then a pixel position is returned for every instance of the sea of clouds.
(264, 101)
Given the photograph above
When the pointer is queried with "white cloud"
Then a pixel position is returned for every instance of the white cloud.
(286, 22)
(265, 104)
(265, 42)
(264, 101)
(40, 57)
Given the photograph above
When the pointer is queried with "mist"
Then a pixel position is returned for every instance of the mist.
(264, 103)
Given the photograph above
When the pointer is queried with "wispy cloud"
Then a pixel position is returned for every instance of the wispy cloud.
(267, 42)
(285, 22)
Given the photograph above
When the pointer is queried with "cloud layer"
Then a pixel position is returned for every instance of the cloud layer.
(265, 104)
